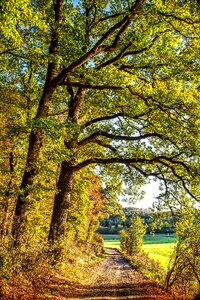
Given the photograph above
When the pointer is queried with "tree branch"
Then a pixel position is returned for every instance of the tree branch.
(117, 57)
(121, 114)
(172, 15)
(140, 95)
(7, 51)
(101, 143)
(17, 55)
(177, 30)
(180, 177)
(124, 53)
(97, 47)
(90, 86)
(118, 137)
(111, 16)
(126, 161)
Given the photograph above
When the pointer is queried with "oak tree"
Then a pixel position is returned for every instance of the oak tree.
(113, 84)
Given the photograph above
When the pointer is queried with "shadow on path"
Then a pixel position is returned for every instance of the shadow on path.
(117, 280)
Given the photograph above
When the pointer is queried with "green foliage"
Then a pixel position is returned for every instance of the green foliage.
(184, 268)
(17, 18)
(86, 208)
(97, 245)
(132, 238)
(157, 222)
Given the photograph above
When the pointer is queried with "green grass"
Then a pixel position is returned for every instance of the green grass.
(160, 252)
(112, 244)
(159, 239)
(159, 247)
(109, 237)
(111, 240)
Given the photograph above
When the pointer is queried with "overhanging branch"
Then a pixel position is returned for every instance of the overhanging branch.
(98, 47)
(121, 114)
(186, 20)
(105, 145)
(125, 53)
(118, 137)
(90, 86)
(128, 161)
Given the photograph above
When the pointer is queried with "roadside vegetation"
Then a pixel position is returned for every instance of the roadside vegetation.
(157, 247)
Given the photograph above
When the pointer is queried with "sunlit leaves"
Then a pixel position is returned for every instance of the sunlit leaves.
(17, 17)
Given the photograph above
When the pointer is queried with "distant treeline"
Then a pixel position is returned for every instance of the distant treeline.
(157, 222)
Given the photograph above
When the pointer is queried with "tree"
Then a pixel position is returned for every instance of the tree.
(124, 118)
(184, 267)
(10, 101)
(136, 106)
(132, 238)
(86, 208)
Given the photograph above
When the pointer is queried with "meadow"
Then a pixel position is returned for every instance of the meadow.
(158, 246)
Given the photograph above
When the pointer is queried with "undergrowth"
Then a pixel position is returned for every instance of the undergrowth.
(150, 268)
(29, 274)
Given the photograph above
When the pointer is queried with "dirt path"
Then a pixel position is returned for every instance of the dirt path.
(117, 280)
(112, 279)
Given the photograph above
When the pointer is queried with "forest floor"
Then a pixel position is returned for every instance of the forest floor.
(114, 278)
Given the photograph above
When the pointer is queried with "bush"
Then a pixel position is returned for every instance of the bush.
(132, 238)
(149, 267)
(184, 267)
(98, 244)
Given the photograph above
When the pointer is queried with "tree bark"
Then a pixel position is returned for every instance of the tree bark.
(65, 181)
(8, 207)
(35, 144)
(60, 209)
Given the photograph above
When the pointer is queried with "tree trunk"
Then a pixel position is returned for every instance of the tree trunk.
(8, 207)
(35, 144)
(35, 141)
(60, 209)
(65, 182)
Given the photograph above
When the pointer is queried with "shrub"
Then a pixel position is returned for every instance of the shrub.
(184, 267)
(149, 267)
(132, 238)
(98, 244)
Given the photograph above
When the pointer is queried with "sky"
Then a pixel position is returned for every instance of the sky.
(151, 192)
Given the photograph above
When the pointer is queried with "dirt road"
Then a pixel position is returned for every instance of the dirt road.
(117, 280)
(112, 279)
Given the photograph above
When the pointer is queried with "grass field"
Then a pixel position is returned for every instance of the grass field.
(160, 252)
(159, 247)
